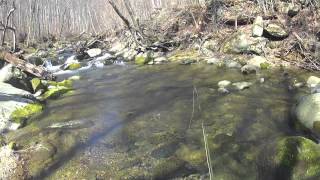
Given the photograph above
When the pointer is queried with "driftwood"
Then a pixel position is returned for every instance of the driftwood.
(25, 66)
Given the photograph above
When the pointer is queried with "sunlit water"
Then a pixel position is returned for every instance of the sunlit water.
(146, 123)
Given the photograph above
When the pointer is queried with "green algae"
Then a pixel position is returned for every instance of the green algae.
(21, 115)
(56, 92)
(74, 66)
(167, 168)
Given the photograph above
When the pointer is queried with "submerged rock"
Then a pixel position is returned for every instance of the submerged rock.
(249, 68)
(294, 157)
(308, 112)
(242, 85)
(71, 124)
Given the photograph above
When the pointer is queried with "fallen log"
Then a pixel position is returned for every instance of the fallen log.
(37, 71)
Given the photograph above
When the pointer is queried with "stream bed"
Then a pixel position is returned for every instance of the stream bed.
(130, 122)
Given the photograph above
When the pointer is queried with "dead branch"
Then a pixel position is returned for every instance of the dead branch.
(25, 66)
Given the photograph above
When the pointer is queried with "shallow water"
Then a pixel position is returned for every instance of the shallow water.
(128, 122)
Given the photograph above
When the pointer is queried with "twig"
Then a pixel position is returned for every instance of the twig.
(207, 152)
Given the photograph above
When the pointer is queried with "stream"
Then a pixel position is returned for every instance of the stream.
(148, 122)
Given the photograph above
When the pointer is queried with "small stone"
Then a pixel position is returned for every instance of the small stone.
(262, 80)
(233, 64)
(242, 85)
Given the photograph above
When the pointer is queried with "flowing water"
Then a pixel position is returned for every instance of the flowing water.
(129, 122)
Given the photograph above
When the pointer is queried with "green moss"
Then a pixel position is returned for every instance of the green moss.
(193, 157)
(264, 65)
(55, 92)
(183, 55)
(65, 83)
(74, 66)
(299, 154)
(21, 115)
(143, 58)
(12, 145)
(36, 84)
(167, 168)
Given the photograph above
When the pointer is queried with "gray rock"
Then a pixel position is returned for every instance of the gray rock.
(257, 28)
(249, 68)
(42, 54)
(94, 52)
(223, 90)
(160, 60)
(242, 85)
(276, 31)
(6, 73)
(241, 42)
(257, 61)
(313, 81)
(308, 112)
(11, 99)
(233, 64)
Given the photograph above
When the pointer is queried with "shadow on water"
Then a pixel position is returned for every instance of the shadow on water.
(283, 170)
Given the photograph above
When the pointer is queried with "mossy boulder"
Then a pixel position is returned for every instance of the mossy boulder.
(65, 83)
(55, 92)
(144, 58)
(298, 155)
(73, 66)
(21, 115)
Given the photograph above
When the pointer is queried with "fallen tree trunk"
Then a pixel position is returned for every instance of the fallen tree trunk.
(25, 66)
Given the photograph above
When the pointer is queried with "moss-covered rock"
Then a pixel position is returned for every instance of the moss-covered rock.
(36, 84)
(195, 157)
(21, 115)
(144, 58)
(299, 155)
(55, 92)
